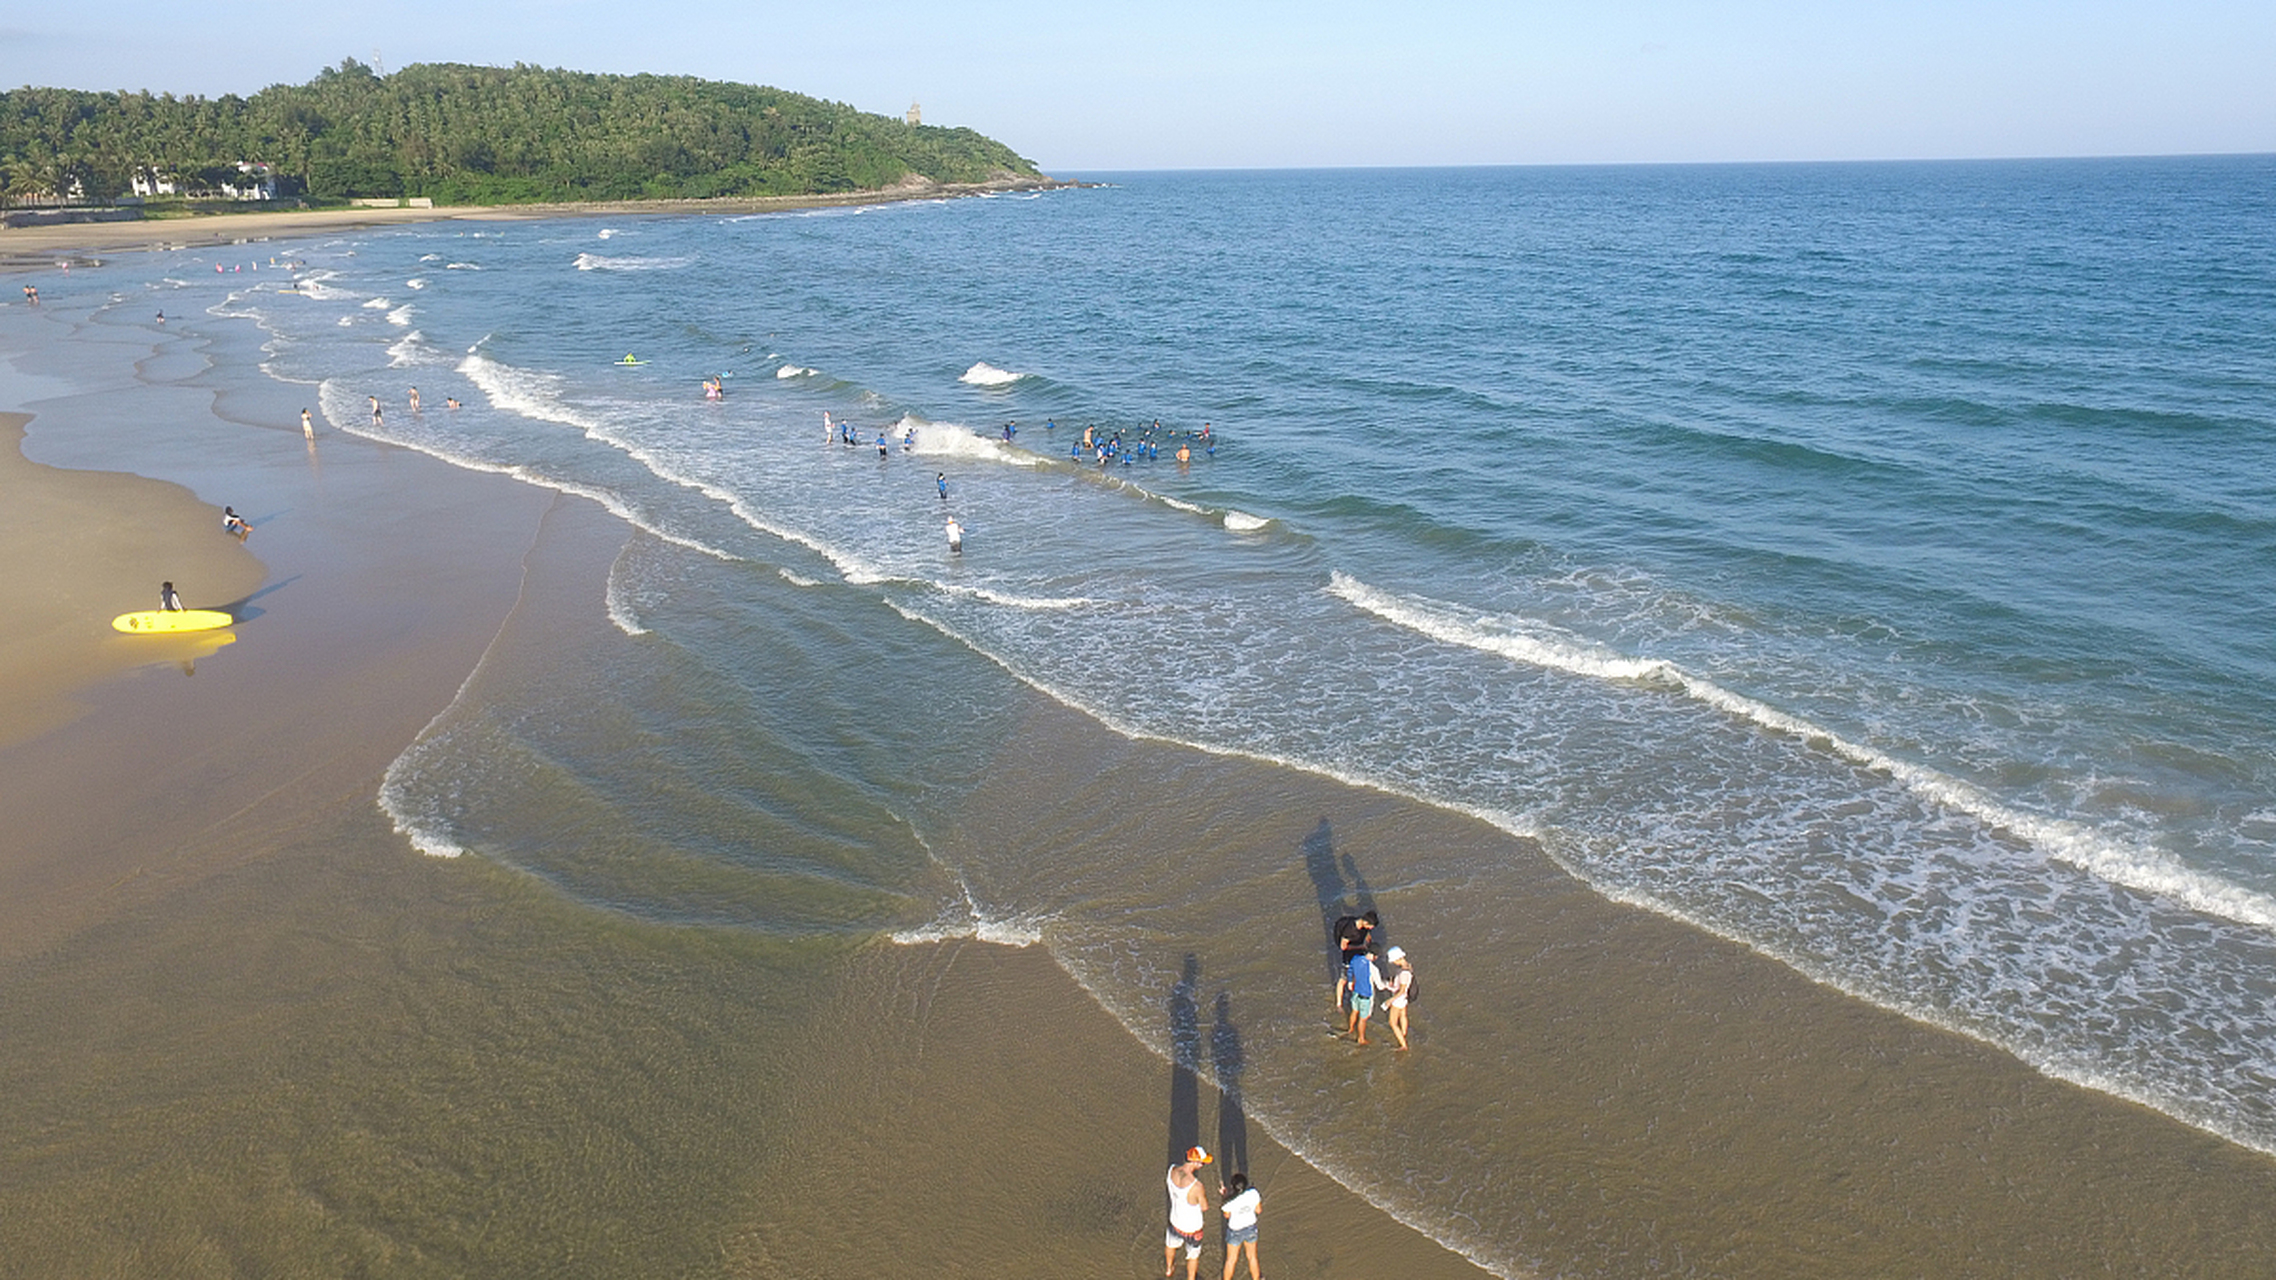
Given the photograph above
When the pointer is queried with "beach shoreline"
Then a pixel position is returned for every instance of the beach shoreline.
(41, 247)
(236, 990)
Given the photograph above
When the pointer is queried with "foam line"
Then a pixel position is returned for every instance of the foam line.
(2132, 866)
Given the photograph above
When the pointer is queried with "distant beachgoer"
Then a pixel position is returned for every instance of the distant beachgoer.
(1241, 1204)
(1184, 454)
(829, 432)
(955, 536)
(1402, 991)
(1086, 437)
(1189, 1208)
(307, 425)
(882, 451)
(908, 439)
(167, 601)
(231, 522)
(942, 480)
(32, 294)
(161, 317)
(450, 402)
(414, 399)
(1363, 979)
(374, 409)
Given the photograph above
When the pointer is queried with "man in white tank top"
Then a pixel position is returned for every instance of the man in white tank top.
(1189, 1209)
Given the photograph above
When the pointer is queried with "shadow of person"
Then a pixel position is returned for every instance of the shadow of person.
(1185, 1060)
(1226, 1065)
(1342, 891)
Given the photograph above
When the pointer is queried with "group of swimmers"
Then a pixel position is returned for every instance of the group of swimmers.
(1106, 448)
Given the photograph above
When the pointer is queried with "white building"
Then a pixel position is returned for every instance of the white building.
(916, 114)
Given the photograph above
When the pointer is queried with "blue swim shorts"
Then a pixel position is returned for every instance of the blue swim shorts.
(1363, 1006)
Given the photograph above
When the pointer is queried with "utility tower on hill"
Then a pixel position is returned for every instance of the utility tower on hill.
(916, 114)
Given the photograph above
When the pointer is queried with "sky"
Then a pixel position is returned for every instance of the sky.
(1175, 84)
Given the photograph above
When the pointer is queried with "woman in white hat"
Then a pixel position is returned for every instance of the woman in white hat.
(1402, 990)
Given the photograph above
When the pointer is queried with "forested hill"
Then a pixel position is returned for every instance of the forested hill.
(484, 135)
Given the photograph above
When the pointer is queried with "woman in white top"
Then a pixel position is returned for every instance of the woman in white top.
(1242, 1203)
(1402, 989)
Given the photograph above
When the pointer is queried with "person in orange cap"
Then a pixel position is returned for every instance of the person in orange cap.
(1189, 1214)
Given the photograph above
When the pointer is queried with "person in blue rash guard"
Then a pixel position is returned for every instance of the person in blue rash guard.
(1360, 970)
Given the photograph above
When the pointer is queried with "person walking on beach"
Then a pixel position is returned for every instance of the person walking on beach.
(168, 602)
(1189, 1208)
(1241, 1204)
(1402, 990)
(307, 425)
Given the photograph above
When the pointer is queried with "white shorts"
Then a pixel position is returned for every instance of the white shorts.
(1171, 1240)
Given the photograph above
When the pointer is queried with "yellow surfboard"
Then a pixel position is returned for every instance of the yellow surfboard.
(153, 621)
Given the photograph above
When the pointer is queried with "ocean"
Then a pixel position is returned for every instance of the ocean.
(1865, 563)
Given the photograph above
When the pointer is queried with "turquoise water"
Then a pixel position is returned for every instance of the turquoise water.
(1869, 563)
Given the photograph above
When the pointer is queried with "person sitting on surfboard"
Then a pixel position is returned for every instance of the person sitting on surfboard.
(168, 602)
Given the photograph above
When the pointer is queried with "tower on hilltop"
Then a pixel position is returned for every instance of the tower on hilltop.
(916, 114)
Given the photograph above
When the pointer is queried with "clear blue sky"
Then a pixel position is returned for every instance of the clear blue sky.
(1193, 83)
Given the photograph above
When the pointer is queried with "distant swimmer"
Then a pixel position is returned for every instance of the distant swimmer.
(829, 429)
(713, 389)
(1086, 437)
(1184, 454)
(942, 480)
(374, 409)
(168, 601)
(908, 439)
(307, 425)
(955, 536)
(231, 522)
(32, 294)
(414, 399)
(450, 402)
(161, 317)
(882, 452)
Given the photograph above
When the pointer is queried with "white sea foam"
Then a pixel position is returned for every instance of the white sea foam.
(598, 262)
(408, 350)
(2134, 866)
(1015, 601)
(984, 374)
(375, 304)
(796, 579)
(313, 285)
(345, 322)
(430, 257)
(795, 371)
(619, 604)
(460, 266)
(401, 316)
(1243, 522)
(951, 440)
(606, 232)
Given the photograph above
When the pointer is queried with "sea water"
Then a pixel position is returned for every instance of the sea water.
(1868, 563)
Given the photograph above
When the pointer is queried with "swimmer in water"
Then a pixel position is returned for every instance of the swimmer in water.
(882, 453)
(450, 402)
(955, 536)
(307, 425)
(414, 399)
(942, 480)
(1184, 454)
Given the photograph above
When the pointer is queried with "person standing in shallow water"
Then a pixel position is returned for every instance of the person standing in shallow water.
(307, 425)
(1402, 988)
(1189, 1210)
(1363, 979)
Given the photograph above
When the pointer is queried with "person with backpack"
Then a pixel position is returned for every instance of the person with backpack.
(1402, 993)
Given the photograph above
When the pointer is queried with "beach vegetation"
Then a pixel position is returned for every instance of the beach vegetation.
(480, 135)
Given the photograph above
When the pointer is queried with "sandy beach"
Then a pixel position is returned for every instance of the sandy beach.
(250, 1030)
(42, 247)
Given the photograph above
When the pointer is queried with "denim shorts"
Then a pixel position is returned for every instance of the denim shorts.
(1240, 1235)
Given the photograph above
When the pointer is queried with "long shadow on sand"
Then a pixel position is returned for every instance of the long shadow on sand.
(1226, 1064)
(1185, 1060)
